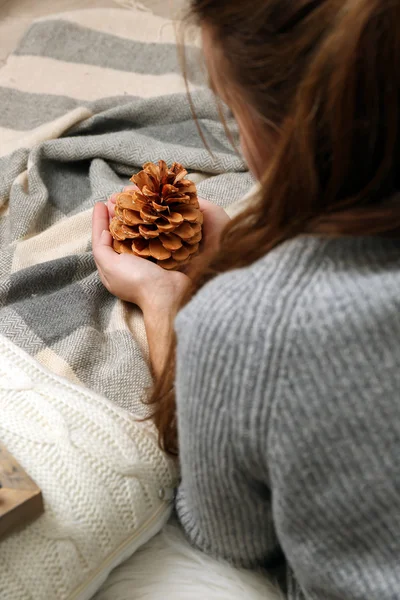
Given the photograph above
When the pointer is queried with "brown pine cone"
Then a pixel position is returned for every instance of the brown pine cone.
(161, 220)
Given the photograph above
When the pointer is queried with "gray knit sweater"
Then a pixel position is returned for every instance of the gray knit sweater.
(288, 393)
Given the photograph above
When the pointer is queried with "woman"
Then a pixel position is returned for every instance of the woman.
(287, 378)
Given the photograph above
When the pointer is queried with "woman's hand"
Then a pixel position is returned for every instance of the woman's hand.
(215, 220)
(156, 291)
(130, 277)
(140, 281)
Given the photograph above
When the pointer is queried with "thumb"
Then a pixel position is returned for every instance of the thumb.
(106, 238)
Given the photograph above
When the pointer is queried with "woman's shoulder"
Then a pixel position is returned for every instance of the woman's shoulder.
(308, 337)
(242, 292)
(307, 278)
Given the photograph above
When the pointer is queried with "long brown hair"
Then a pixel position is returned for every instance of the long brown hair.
(327, 74)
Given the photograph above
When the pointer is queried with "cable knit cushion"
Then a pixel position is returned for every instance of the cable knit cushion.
(106, 485)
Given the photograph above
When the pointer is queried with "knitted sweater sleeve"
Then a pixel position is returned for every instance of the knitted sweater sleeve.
(334, 432)
(228, 359)
(289, 420)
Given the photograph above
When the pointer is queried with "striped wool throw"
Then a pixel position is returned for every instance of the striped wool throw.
(85, 100)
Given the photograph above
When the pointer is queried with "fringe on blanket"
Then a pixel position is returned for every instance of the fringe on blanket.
(175, 9)
(134, 5)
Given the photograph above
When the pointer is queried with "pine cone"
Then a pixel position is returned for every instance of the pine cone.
(161, 221)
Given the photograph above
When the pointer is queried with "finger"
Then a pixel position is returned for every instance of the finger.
(111, 208)
(209, 207)
(113, 199)
(105, 257)
(206, 204)
(215, 220)
(104, 279)
(106, 238)
(103, 252)
(100, 222)
(127, 188)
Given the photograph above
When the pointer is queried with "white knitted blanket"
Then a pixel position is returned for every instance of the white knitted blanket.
(104, 480)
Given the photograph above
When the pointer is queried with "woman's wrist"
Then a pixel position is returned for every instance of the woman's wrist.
(159, 318)
(159, 324)
(160, 306)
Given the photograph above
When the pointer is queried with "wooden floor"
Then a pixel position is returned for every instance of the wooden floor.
(16, 15)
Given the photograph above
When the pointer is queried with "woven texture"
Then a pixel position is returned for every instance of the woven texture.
(100, 472)
(107, 96)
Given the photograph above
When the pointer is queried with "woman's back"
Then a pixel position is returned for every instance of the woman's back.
(287, 388)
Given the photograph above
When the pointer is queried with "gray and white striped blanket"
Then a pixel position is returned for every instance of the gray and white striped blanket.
(85, 100)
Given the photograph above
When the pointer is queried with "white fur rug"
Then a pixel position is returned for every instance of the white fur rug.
(167, 568)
